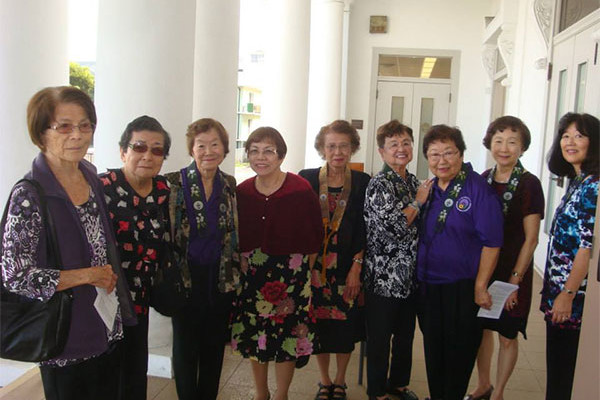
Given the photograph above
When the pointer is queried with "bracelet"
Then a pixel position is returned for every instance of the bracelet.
(358, 260)
(516, 274)
(415, 204)
(569, 291)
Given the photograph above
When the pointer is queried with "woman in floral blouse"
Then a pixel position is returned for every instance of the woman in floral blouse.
(336, 280)
(61, 122)
(574, 154)
(393, 200)
(204, 209)
(280, 235)
(137, 200)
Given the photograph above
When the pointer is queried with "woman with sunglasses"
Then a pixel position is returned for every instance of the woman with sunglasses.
(137, 200)
(574, 154)
(204, 207)
(61, 122)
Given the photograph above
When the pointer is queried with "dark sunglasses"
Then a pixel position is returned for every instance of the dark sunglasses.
(141, 147)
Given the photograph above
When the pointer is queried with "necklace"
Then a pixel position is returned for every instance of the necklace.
(268, 190)
(511, 187)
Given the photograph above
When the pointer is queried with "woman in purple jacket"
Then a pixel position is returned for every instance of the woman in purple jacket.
(61, 122)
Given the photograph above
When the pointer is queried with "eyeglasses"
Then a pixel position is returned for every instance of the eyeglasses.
(447, 155)
(268, 153)
(142, 147)
(343, 147)
(66, 127)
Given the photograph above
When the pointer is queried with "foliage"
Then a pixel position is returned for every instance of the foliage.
(82, 77)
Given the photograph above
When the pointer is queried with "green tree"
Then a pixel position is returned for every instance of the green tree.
(82, 78)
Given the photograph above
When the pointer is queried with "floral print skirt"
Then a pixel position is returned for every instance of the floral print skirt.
(272, 317)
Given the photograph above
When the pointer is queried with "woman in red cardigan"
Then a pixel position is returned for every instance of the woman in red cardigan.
(280, 234)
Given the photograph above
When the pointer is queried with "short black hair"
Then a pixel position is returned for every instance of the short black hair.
(144, 123)
(508, 122)
(444, 133)
(589, 126)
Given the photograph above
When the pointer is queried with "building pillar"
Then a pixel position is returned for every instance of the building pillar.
(216, 67)
(33, 55)
(145, 66)
(286, 64)
(325, 72)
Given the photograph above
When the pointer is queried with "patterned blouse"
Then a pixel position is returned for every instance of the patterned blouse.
(572, 229)
(139, 224)
(20, 243)
(391, 242)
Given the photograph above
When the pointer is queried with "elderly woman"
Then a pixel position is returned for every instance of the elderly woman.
(137, 200)
(393, 201)
(204, 211)
(61, 122)
(336, 282)
(574, 154)
(459, 245)
(280, 235)
(523, 206)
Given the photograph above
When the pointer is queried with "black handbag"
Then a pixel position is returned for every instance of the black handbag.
(32, 330)
(168, 293)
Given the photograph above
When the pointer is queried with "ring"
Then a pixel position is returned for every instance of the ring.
(514, 303)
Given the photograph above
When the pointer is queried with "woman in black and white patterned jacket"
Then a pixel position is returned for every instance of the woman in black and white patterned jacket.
(392, 204)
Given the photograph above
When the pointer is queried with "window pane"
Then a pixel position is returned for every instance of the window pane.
(572, 11)
(426, 122)
(580, 88)
(397, 108)
(415, 67)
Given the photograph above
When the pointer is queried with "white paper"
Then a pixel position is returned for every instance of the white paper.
(106, 305)
(499, 291)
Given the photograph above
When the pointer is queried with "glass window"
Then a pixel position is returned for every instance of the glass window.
(426, 122)
(572, 11)
(397, 108)
(415, 67)
(580, 87)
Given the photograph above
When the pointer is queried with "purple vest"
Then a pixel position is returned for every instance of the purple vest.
(87, 334)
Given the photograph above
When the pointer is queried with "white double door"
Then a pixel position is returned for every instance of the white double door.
(418, 105)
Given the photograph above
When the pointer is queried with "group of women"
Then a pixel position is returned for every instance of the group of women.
(278, 265)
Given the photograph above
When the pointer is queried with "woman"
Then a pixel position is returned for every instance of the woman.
(459, 244)
(336, 281)
(523, 206)
(137, 200)
(280, 235)
(393, 201)
(204, 211)
(574, 154)
(61, 122)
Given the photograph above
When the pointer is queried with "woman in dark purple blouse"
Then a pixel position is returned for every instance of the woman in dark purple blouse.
(523, 205)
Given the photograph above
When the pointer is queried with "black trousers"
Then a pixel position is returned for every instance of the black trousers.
(389, 318)
(561, 357)
(199, 336)
(134, 367)
(451, 336)
(94, 379)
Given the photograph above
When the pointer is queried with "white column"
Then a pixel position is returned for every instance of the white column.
(145, 62)
(286, 62)
(33, 55)
(325, 73)
(216, 67)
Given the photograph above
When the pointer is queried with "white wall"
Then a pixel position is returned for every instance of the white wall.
(526, 96)
(423, 24)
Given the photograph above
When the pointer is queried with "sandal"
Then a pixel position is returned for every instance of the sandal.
(338, 394)
(324, 392)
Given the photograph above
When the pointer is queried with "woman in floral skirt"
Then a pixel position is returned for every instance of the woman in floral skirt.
(280, 234)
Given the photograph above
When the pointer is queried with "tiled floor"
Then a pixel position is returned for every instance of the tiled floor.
(526, 383)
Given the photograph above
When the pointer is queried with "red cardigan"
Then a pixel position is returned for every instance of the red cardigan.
(288, 221)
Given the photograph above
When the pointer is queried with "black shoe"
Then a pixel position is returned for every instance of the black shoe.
(484, 396)
(324, 392)
(404, 394)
